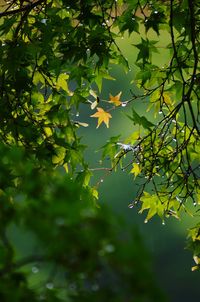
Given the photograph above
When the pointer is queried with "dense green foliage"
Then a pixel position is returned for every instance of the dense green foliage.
(53, 57)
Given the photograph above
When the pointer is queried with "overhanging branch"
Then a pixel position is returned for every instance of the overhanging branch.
(28, 7)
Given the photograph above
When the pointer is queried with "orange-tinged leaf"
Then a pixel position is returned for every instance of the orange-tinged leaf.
(116, 99)
(102, 116)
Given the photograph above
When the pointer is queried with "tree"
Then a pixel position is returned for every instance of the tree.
(54, 55)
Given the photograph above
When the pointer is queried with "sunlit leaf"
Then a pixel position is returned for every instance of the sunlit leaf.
(102, 116)
(65, 166)
(116, 99)
(194, 268)
(62, 82)
(136, 170)
(197, 261)
(96, 102)
(38, 78)
(84, 177)
(59, 155)
(81, 124)
(95, 193)
(48, 131)
(167, 99)
(152, 211)
(93, 93)
(41, 60)
(132, 139)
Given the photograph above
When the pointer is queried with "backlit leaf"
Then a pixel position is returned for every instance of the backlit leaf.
(96, 102)
(167, 99)
(81, 124)
(59, 155)
(62, 82)
(48, 131)
(102, 116)
(116, 99)
(136, 169)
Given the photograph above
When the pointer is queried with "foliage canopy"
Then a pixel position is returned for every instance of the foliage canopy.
(53, 55)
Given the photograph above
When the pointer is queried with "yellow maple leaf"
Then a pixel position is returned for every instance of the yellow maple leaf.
(102, 116)
(116, 99)
(136, 169)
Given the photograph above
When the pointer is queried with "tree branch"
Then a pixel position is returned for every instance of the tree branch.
(29, 7)
(196, 59)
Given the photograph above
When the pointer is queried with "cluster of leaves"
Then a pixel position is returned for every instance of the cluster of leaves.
(52, 54)
(194, 245)
(56, 245)
(165, 152)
